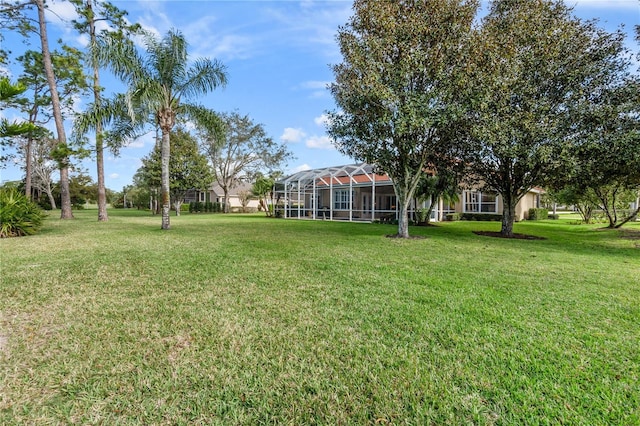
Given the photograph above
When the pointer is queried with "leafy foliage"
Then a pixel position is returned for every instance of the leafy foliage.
(91, 12)
(263, 189)
(188, 168)
(242, 151)
(531, 62)
(606, 150)
(397, 87)
(160, 86)
(19, 216)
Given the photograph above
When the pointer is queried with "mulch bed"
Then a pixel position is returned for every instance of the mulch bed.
(512, 237)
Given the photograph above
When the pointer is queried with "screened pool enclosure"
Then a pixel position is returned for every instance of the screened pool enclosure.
(353, 192)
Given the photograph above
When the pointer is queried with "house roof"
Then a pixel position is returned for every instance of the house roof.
(337, 175)
(241, 186)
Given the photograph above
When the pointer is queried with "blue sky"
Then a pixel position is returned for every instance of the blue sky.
(278, 56)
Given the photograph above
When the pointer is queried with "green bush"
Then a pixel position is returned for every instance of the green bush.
(218, 207)
(196, 207)
(19, 216)
(489, 217)
(538, 214)
(422, 215)
(452, 217)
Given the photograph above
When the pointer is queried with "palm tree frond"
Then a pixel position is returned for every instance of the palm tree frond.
(204, 76)
(204, 118)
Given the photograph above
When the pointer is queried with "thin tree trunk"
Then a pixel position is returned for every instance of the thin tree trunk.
(102, 192)
(629, 218)
(52, 199)
(603, 195)
(225, 208)
(65, 202)
(28, 168)
(164, 184)
(33, 115)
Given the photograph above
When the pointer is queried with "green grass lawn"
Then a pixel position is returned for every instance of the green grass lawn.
(240, 319)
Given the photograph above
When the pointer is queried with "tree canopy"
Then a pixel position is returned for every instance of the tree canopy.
(188, 168)
(396, 87)
(241, 151)
(531, 62)
(160, 86)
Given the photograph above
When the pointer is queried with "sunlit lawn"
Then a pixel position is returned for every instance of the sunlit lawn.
(248, 320)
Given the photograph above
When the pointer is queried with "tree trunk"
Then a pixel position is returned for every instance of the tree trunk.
(164, 185)
(28, 168)
(176, 205)
(508, 215)
(435, 198)
(226, 200)
(65, 202)
(102, 192)
(403, 221)
(610, 210)
(403, 203)
(632, 216)
(52, 199)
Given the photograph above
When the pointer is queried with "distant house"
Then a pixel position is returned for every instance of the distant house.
(215, 194)
(354, 192)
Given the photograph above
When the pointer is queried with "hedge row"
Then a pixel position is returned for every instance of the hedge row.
(208, 207)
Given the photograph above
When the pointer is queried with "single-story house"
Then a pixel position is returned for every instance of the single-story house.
(325, 194)
(215, 194)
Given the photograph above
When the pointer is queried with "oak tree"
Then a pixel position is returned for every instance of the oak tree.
(396, 89)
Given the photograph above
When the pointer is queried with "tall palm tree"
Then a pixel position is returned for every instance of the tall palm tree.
(160, 84)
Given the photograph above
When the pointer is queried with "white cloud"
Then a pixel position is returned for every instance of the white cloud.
(206, 42)
(148, 139)
(312, 25)
(319, 142)
(300, 168)
(315, 84)
(83, 40)
(322, 120)
(61, 12)
(227, 47)
(292, 135)
(114, 176)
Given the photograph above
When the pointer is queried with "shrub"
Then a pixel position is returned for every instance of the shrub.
(422, 215)
(538, 214)
(489, 217)
(195, 207)
(452, 217)
(554, 216)
(19, 216)
(217, 207)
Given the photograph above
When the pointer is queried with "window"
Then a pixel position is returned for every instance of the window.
(203, 197)
(488, 203)
(471, 201)
(341, 199)
(386, 202)
(483, 202)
